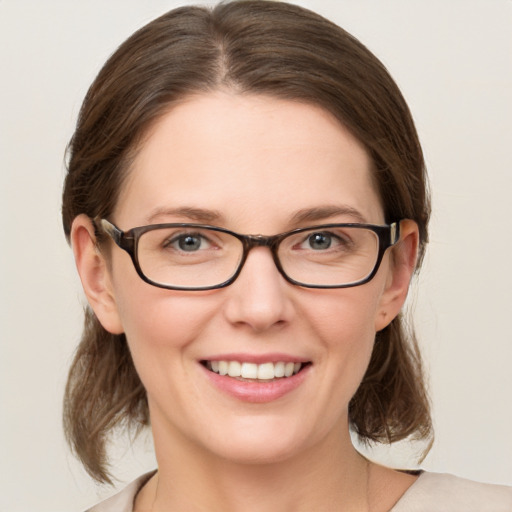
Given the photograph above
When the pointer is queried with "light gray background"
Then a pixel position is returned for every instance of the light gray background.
(452, 59)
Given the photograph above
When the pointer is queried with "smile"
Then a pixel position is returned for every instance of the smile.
(264, 372)
(256, 379)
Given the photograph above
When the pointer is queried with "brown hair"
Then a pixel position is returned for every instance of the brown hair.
(260, 47)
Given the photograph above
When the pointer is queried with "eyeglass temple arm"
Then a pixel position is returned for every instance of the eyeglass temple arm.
(394, 233)
(114, 232)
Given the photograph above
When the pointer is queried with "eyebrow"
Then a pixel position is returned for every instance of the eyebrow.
(325, 212)
(203, 215)
(200, 215)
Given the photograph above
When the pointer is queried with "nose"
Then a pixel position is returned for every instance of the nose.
(259, 298)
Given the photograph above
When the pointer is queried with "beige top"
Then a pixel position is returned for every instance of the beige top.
(432, 492)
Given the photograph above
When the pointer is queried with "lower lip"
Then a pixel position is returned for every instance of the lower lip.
(257, 392)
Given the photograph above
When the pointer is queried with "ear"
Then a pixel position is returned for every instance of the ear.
(94, 274)
(402, 262)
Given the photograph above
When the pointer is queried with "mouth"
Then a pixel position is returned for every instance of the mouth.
(252, 372)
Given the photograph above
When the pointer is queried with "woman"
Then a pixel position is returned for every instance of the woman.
(246, 202)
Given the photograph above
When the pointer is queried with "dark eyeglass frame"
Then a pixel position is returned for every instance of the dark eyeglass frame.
(388, 235)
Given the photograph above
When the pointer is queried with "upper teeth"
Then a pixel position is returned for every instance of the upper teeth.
(265, 371)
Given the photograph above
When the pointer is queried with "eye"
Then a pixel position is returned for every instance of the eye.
(320, 241)
(188, 242)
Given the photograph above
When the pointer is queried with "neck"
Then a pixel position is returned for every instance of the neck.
(328, 476)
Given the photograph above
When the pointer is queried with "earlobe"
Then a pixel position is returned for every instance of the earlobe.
(94, 274)
(401, 268)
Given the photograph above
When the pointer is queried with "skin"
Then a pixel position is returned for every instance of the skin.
(256, 162)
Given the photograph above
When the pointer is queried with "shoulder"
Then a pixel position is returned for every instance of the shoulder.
(122, 501)
(434, 492)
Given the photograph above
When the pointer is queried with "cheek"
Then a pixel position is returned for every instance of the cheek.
(160, 325)
(343, 324)
(344, 316)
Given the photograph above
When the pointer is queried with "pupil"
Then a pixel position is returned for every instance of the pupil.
(189, 243)
(320, 241)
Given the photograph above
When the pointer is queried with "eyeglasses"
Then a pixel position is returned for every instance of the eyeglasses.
(200, 257)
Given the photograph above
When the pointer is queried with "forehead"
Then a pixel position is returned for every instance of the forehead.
(247, 158)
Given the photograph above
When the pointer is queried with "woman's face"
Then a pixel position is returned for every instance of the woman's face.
(254, 165)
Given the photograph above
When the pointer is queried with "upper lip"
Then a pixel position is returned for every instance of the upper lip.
(258, 358)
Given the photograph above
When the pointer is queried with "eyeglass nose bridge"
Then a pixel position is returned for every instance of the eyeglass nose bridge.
(252, 241)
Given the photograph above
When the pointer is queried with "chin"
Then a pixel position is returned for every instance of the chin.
(258, 452)
(260, 441)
